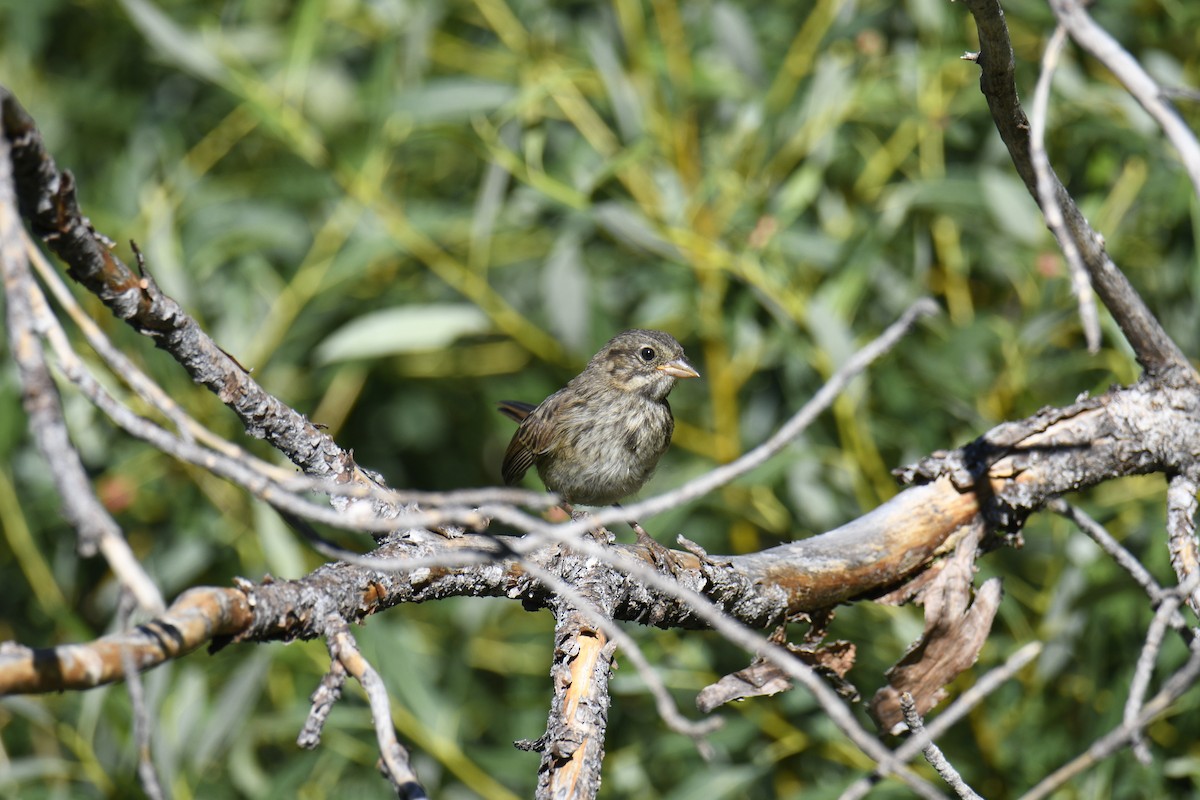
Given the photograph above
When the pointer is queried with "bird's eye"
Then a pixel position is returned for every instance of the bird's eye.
(647, 354)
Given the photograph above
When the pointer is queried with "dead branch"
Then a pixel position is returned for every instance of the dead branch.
(933, 753)
(393, 761)
(1018, 467)
(46, 198)
(197, 618)
(97, 531)
(1155, 350)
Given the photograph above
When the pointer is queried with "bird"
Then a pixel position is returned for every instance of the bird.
(599, 438)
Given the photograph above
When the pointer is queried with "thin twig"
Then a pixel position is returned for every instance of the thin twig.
(1048, 195)
(1142, 674)
(1154, 349)
(95, 527)
(394, 758)
(238, 467)
(140, 711)
(323, 698)
(954, 712)
(1125, 559)
(933, 753)
(1183, 680)
(1073, 16)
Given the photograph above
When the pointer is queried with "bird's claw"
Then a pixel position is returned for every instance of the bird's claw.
(663, 557)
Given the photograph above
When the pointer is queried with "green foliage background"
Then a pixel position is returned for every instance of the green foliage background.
(399, 212)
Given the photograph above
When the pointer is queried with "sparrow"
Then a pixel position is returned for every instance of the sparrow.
(598, 439)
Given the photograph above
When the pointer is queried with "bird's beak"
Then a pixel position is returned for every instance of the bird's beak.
(679, 368)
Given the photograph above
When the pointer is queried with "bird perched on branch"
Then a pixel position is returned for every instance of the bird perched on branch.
(598, 439)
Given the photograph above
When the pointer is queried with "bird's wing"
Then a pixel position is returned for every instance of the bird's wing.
(533, 437)
(517, 460)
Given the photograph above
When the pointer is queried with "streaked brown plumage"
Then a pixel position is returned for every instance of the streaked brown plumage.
(599, 438)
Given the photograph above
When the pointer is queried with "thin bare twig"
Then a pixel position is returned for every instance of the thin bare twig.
(47, 200)
(1158, 354)
(323, 698)
(1119, 737)
(1125, 559)
(1142, 674)
(196, 444)
(974, 695)
(95, 527)
(954, 712)
(1048, 196)
(933, 753)
(393, 757)
(233, 463)
(287, 479)
(1073, 16)
(141, 712)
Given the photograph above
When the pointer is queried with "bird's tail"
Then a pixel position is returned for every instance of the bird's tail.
(515, 409)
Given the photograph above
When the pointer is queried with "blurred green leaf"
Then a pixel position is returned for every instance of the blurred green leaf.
(1011, 206)
(568, 291)
(186, 50)
(452, 100)
(408, 329)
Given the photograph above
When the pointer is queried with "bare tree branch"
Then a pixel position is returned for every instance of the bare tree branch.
(393, 757)
(1021, 465)
(1073, 16)
(196, 618)
(47, 199)
(1121, 736)
(933, 753)
(97, 530)
(573, 746)
(1154, 349)
(1181, 534)
(1049, 200)
(985, 489)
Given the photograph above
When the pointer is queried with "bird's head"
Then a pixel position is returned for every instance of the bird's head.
(642, 361)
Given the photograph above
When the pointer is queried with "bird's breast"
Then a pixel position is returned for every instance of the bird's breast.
(608, 452)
